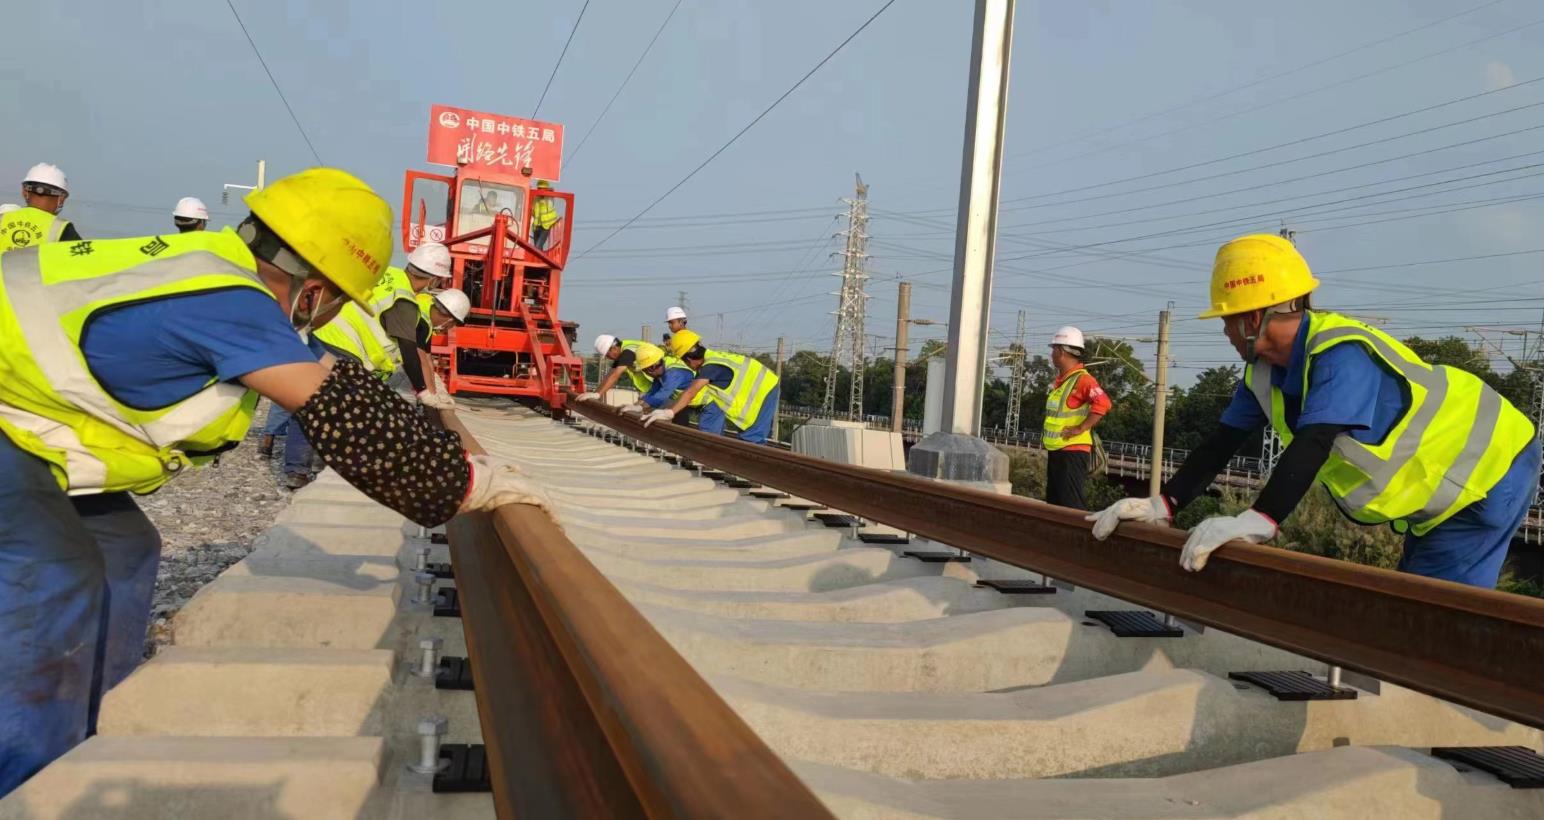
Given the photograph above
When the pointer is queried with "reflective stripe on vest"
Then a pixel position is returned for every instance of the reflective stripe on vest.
(25, 227)
(1059, 417)
(543, 213)
(361, 335)
(52, 407)
(747, 392)
(1456, 439)
(393, 287)
(641, 380)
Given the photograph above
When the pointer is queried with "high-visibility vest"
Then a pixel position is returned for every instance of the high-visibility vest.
(1059, 417)
(361, 335)
(543, 213)
(743, 399)
(641, 380)
(50, 404)
(702, 397)
(1453, 443)
(425, 302)
(29, 226)
(394, 285)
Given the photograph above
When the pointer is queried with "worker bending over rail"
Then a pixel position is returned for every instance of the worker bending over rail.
(44, 190)
(185, 332)
(1429, 449)
(623, 355)
(744, 390)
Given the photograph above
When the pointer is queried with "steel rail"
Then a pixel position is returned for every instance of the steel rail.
(1475, 647)
(586, 711)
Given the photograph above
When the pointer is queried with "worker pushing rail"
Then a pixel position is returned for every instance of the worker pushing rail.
(1429, 449)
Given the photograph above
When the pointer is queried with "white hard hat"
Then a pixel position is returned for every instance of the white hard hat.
(454, 302)
(431, 258)
(8, 207)
(46, 174)
(1068, 336)
(674, 313)
(603, 343)
(190, 207)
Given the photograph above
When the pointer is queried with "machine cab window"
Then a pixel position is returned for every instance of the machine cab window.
(482, 200)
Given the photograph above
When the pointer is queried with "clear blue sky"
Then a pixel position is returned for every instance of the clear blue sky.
(145, 102)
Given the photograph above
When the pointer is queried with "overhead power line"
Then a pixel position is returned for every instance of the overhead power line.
(559, 63)
(282, 98)
(625, 81)
(748, 126)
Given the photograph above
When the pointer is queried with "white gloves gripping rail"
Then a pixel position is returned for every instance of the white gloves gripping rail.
(658, 415)
(439, 401)
(1204, 539)
(497, 481)
(633, 410)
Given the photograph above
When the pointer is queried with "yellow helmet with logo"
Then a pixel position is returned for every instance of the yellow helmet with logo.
(1257, 271)
(335, 222)
(683, 341)
(646, 356)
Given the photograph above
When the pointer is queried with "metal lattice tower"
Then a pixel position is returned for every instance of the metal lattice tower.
(1018, 361)
(847, 344)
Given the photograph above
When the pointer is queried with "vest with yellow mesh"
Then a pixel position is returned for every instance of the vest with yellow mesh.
(51, 405)
(1059, 417)
(25, 227)
(1452, 444)
(743, 399)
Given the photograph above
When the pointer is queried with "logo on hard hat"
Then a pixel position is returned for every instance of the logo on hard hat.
(450, 119)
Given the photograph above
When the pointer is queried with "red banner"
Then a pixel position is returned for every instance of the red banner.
(494, 142)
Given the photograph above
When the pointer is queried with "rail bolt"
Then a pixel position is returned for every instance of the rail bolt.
(421, 560)
(430, 729)
(429, 661)
(425, 581)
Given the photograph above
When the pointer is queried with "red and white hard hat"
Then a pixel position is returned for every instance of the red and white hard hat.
(455, 303)
(190, 207)
(1068, 336)
(673, 313)
(46, 174)
(432, 258)
(603, 343)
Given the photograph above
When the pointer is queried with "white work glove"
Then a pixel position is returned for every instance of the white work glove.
(633, 410)
(586, 396)
(1153, 510)
(497, 481)
(658, 415)
(439, 401)
(1212, 533)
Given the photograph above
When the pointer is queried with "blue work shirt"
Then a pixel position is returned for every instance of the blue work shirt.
(151, 355)
(1347, 387)
(673, 379)
(718, 375)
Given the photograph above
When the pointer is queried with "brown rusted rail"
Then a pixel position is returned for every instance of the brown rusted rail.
(1476, 647)
(586, 711)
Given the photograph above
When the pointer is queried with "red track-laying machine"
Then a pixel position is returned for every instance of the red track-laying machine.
(509, 238)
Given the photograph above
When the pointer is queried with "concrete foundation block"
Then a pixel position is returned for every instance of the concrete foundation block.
(298, 540)
(289, 611)
(228, 778)
(199, 691)
(850, 442)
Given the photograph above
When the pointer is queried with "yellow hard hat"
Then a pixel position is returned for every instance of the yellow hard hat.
(683, 341)
(646, 356)
(335, 222)
(1257, 271)
(544, 184)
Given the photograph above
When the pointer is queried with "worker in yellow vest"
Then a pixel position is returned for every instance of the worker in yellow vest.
(44, 189)
(623, 355)
(1073, 408)
(544, 215)
(186, 331)
(1428, 449)
(393, 343)
(744, 389)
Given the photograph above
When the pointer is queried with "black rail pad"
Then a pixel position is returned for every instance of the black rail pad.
(1294, 686)
(800, 506)
(739, 483)
(716, 475)
(936, 556)
(882, 538)
(767, 493)
(453, 673)
(439, 569)
(1018, 586)
(832, 519)
(447, 604)
(1517, 766)
(670, 458)
(438, 538)
(1134, 623)
(466, 769)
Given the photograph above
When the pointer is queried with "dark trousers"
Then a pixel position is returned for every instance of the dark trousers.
(1066, 475)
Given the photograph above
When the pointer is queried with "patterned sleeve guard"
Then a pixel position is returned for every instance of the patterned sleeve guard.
(381, 445)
